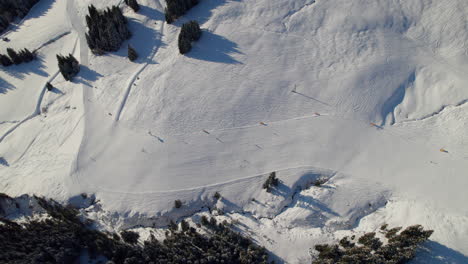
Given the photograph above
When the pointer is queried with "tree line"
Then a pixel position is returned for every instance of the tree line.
(16, 57)
(11, 9)
(62, 237)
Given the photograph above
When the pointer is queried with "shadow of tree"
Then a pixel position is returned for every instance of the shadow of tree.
(214, 48)
(151, 13)
(436, 253)
(56, 91)
(87, 75)
(203, 11)
(145, 40)
(5, 86)
(4, 162)
(20, 72)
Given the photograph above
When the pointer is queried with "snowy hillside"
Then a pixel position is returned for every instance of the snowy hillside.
(369, 94)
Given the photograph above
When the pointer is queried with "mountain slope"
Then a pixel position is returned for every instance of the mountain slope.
(368, 89)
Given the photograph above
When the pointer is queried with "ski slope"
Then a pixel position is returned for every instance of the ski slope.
(368, 90)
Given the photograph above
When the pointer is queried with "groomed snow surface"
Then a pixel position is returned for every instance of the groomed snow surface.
(368, 94)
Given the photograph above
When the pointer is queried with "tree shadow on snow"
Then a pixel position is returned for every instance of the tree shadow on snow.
(5, 86)
(56, 91)
(145, 40)
(20, 71)
(151, 13)
(4, 162)
(214, 48)
(435, 253)
(203, 11)
(87, 76)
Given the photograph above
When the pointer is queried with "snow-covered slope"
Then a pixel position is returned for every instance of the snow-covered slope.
(286, 86)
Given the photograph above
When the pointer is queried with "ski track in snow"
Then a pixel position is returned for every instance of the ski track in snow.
(37, 110)
(136, 74)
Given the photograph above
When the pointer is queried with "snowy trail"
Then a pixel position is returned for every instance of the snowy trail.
(221, 162)
(137, 73)
(37, 110)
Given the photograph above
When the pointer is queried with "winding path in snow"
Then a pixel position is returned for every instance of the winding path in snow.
(135, 75)
(37, 110)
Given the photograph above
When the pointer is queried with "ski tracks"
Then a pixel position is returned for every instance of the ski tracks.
(136, 74)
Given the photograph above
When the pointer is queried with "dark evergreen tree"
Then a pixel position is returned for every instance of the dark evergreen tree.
(26, 55)
(271, 182)
(129, 236)
(68, 66)
(5, 60)
(176, 8)
(204, 220)
(184, 225)
(15, 58)
(189, 32)
(107, 29)
(132, 54)
(49, 86)
(133, 4)
(177, 203)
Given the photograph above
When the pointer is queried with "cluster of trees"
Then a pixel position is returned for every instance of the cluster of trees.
(401, 247)
(68, 66)
(133, 4)
(10, 9)
(14, 57)
(271, 182)
(220, 244)
(189, 32)
(63, 237)
(107, 29)
(177, 8)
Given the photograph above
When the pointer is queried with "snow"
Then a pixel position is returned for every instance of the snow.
(379, 89)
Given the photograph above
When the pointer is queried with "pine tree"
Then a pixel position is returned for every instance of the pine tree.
(15, 58)
(189, 32)
(177, 8)
(184, 45)
(132, 54)
(133, 4)
(68, 66)
(49, 86)
(5, 60)
(26, 55)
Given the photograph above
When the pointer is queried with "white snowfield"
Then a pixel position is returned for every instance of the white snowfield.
(371, 94)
